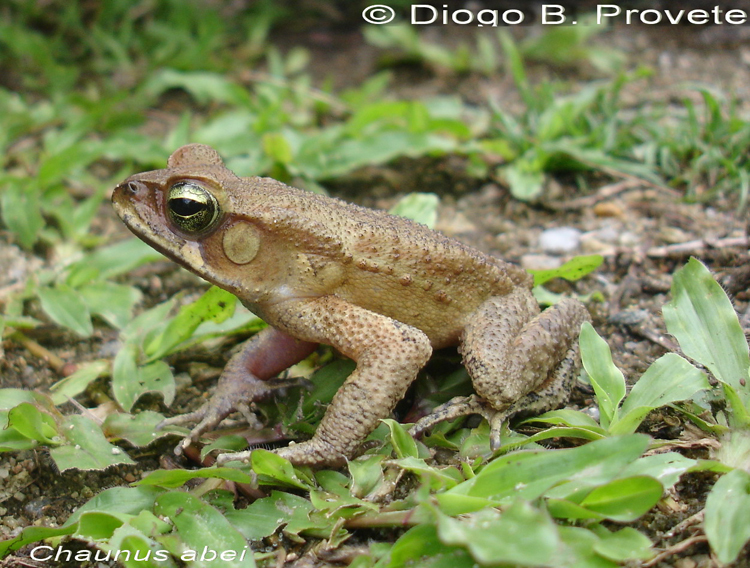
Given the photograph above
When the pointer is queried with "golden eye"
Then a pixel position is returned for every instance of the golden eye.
(192, 207)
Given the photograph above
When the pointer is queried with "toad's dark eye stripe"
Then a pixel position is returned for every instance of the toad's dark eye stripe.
(192, 207)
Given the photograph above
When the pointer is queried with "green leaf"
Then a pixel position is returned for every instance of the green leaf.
(130, 381)
(277, 147)
(66, 307)
(214, 305)
(205, 87)
(607, 380)
(530, 474)
(21, 211)
(274, 469)
(403, 444)
(263, 517)
(88, 448)
(669, 379)
(420, 547)
(575, 269)
(110, 261)
(727, 520)
(666, 468)
(33, 424)
(112, 302)
(76, 383)
(200, 527)
(438, 478)
(705, 324)
(624, 500)
(623, 545)
(366, 474)
(525, 182)
(170, 479)
(420, 207)
(521, 535)
(138, 429)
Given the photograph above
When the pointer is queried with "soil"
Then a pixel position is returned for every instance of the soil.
(643, 232)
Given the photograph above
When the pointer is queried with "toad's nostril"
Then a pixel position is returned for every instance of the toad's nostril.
(134, 186)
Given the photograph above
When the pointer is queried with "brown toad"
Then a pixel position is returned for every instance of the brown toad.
(381, 289)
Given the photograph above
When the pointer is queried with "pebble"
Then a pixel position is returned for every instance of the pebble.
(540, 262)
(560, 240)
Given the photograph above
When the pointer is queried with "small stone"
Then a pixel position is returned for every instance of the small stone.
(540, 262)
(608, 209)
(560, 240)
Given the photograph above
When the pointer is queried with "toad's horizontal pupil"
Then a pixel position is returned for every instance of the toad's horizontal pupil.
(185, 207)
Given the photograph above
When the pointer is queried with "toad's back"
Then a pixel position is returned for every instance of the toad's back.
(394, 266)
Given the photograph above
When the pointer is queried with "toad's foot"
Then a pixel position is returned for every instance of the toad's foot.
(464, 406)
(245, 379)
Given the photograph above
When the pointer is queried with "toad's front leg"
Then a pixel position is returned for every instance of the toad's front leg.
(244, 380)
(388, 353)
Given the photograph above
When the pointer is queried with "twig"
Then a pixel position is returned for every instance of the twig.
(675, 549)
(680, 527)
(604, 192)
(654, 337)
(55, 363)
(696, 247)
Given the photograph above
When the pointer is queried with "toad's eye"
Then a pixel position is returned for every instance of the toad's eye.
(192, 207)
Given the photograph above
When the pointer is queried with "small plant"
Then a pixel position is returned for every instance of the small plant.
(557, 499)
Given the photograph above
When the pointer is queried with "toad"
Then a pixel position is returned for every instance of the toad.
(381, 289)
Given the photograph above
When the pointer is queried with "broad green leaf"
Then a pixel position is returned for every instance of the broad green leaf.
(33, 424)
(204, 86)
(130, 381)
(704, 322)
(113, 260)
(669, 379)
(624, 500)
(403, 444)
(521, 535)
(274, 469)
(66, 307)
(173, 478)
(134, 538)
(21, 211)
(579, 550)
(200, 527)
(420, 207)
(439, 478)
(118, 500)
(138, 429)
(366, 474)
(13, 397)
(112, 302)
(529, 474)
(76, 383)
(607, 380)
(87, 448)
(574, 269)
(525, 182)
(622, 545)
(215, 305)
(263, 517)
(666, 468)
(727, 520)
(420, 547)
(98, 525)
(277, 147)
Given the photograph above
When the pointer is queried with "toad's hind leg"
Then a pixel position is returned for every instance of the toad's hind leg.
(519, 360)
(510, 350)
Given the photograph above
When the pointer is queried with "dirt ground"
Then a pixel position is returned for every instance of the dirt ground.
(644, 233)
